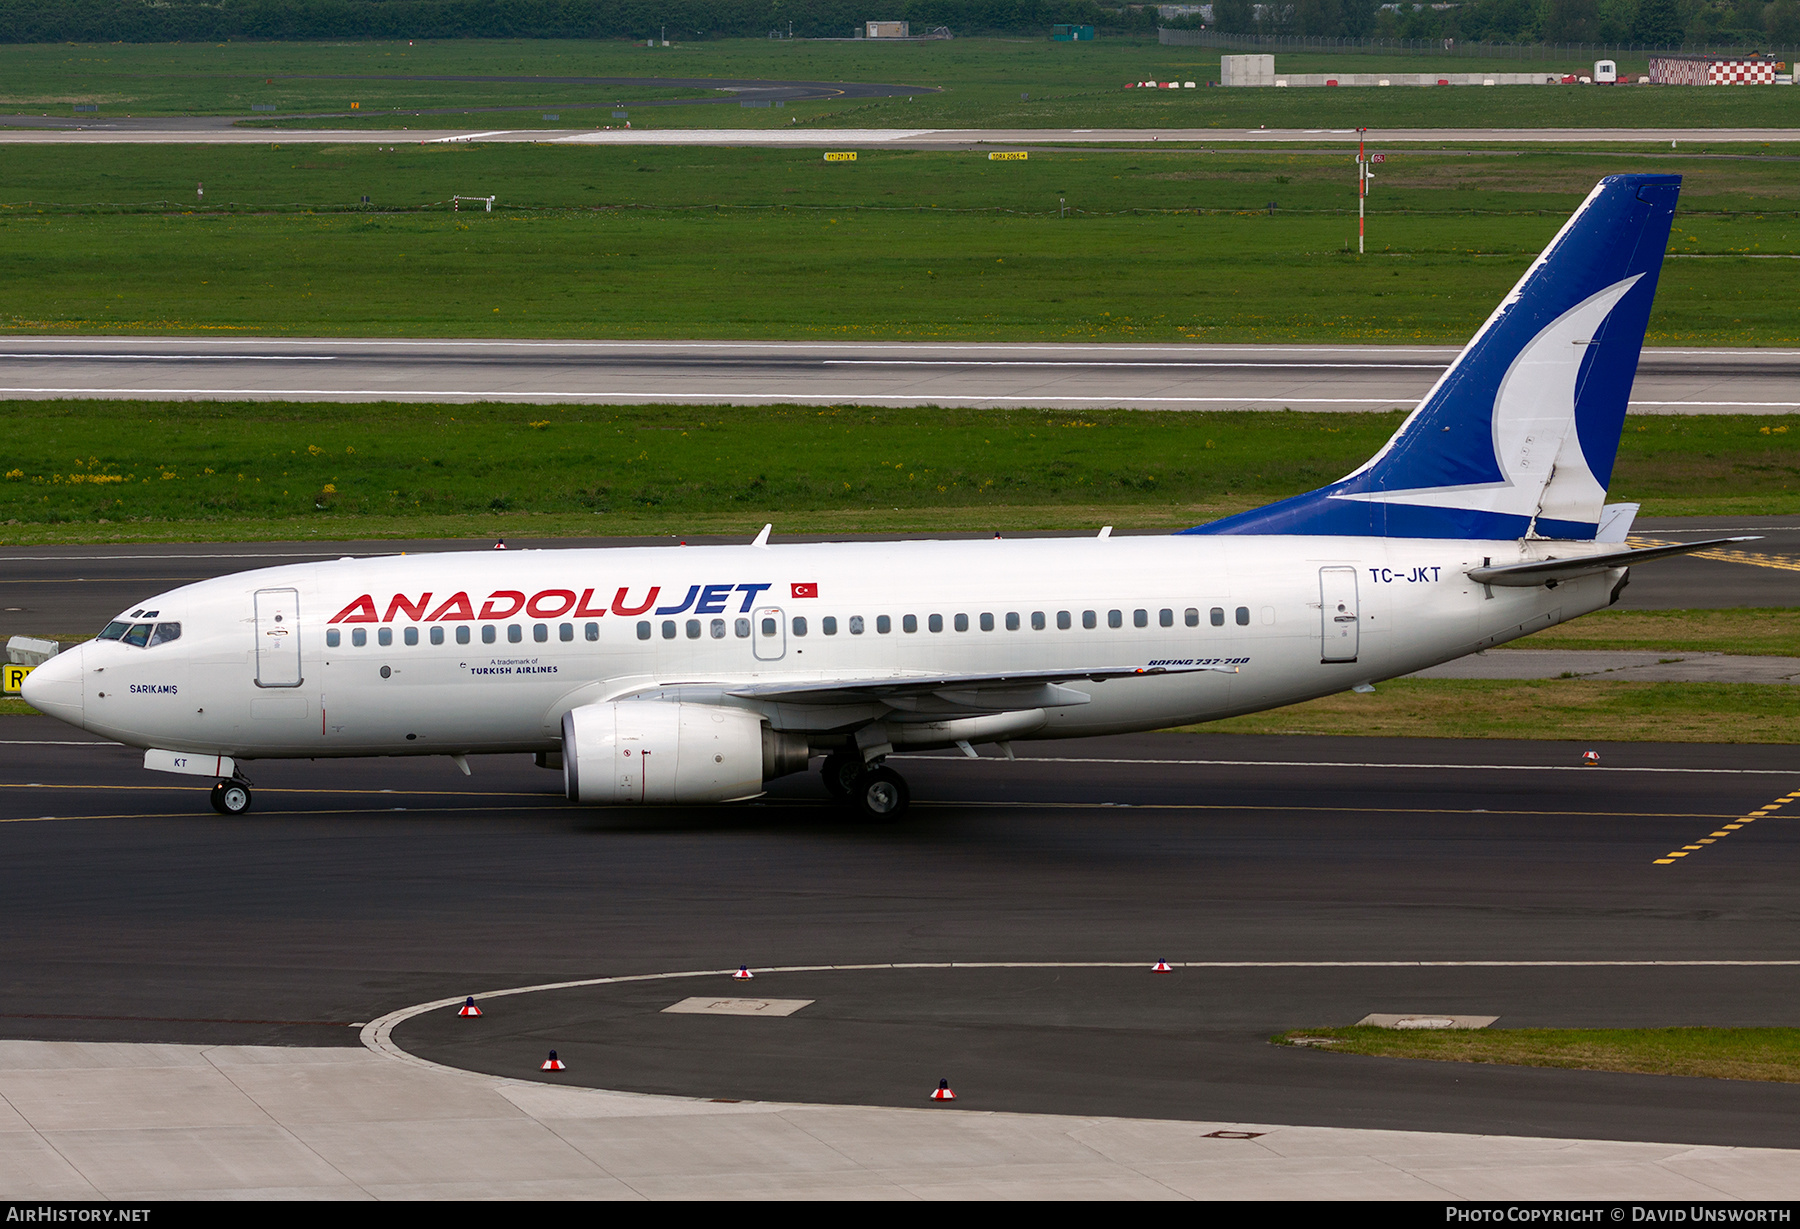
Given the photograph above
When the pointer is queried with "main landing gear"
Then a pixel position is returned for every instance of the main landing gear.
(875, 791)
(231, 797)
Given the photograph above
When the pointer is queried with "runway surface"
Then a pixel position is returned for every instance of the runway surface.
(221, 130)
(1074, 376)
(1337, 876)
(73, 591)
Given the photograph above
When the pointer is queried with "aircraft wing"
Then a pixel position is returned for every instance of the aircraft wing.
(1552, 571)
(990, 692)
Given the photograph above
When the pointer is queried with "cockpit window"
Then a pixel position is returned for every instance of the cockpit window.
(139, 634)
(113, 631)
(164, 633)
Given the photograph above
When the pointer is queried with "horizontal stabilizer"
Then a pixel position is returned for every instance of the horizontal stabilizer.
(1552, 571)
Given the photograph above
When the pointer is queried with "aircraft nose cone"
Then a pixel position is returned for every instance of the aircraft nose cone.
(57, 686)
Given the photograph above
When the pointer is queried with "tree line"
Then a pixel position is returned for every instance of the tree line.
(1653, 23)
(168, 21)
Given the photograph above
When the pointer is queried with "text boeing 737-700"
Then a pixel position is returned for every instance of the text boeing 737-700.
(697, 674)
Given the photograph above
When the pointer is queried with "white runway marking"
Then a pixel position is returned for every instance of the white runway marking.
(178, 358)
(1592, 769)
(378, 1034)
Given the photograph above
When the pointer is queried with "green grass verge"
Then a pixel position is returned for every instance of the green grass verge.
(1555, 709)
(742, 243)
(1716, 1053)
(117, 470)
(1770, 631)
(981, 80)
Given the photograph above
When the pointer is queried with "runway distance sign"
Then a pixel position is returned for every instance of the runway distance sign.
(848, 155)
(1017, 155)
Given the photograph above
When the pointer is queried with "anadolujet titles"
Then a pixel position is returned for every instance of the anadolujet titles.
(698, 674)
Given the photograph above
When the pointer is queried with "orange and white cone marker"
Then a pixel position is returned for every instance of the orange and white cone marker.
(743, 973)
(468, 1008)
(1590, 759)
(1162, 966)
(942, 1092)
(553, 1063)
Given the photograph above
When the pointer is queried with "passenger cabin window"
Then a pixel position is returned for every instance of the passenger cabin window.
(741, 628)
(333, 637)
(909, 623)
(359, 636)
(768, 626)
(1037, 620)
(798, 623)
(883, 624)
(384, 636)
(935, 623)
(693, 629)
(828, 625)
(856, 625)
(1012, 620)
(590, 630)
(1218, 616)
(514, 633)
(718, 629)
(1192, 616)
(1140, 618)
(437, 635)
(462, 633)
(962, 622)
(1243, 616)
(1115, 618)
(565, 632)
(540, 632)
(487, 633)
(410, 635)
(1062, 621)
(668, 629)
(643, 630)
(1089, 619)
(1165, 618)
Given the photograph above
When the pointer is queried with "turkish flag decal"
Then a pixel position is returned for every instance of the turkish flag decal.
(806, 589)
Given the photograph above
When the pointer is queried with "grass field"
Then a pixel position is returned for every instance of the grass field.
(979, 81)
(1716, 1053)
(1771, 631)
(1175, 245)
(80, 470)
(1583, 710)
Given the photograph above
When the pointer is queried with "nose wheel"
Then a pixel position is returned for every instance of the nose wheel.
(231, 798)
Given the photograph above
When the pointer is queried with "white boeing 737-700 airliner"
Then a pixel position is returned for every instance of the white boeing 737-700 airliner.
(697, 674)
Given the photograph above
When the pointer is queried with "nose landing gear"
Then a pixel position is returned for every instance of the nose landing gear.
(231, 797)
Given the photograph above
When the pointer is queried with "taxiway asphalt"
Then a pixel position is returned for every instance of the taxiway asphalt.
(224, 130)
(1057, 376)
(1307, 881)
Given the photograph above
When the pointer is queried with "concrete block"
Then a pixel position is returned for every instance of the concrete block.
(30, 651)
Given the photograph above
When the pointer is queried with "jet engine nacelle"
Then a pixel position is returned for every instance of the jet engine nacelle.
(662, 751)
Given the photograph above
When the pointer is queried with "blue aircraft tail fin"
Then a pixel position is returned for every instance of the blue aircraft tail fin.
(1518, 437)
